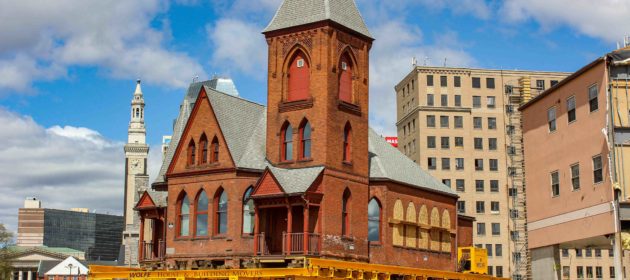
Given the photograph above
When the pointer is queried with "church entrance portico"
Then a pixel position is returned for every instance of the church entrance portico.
(283, 228)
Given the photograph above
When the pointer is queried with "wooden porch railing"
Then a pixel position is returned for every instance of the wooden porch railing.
(149, 252)
(292, 244)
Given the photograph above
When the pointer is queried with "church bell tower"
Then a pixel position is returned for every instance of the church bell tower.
(136, 178)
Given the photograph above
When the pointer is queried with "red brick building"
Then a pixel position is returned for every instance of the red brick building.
(251, 185)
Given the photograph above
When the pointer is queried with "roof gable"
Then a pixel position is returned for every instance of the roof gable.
(267, 185)
(69, 266)
(202, 119)
(145, 201)
(300, 12)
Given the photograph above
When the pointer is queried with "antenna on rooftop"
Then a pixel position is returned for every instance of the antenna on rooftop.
(426, 59)
(414, 61)
(445, 62)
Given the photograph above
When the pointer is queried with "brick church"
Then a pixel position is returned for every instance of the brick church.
(248, 185)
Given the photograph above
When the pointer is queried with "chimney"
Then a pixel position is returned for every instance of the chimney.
(32, 202)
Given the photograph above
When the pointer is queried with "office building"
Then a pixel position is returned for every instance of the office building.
(462, 125)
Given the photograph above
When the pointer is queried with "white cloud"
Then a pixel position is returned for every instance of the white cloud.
(603, 19)
(65, 167)
(390, 61)
(40, 40)
(238, 46)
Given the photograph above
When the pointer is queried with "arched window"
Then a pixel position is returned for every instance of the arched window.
(201, 214)
(345, 213)
(215, 149)
(248, 212)
(347, 143)
(137, 113)
(184, 216)
(305, 140)
(221, 211)
(399, 229)
(435, 232)
(345, 78)
(287, 142)
(410, 231)
(374, 220)
(191, 152)
(446, 235)
(299, 78)
(203, 145)
(423, 220)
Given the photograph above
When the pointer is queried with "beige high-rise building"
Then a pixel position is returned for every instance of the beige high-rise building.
(463, 126)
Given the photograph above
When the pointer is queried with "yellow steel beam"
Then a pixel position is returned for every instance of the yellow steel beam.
(314, 269)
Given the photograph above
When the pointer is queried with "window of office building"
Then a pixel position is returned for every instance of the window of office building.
(459, 141)
(492, 144)
(555, 183)
(476, 82)
(494, 207)
(446, 164)
(430, 100)
(476, 101)
(598, 175)
(540, 84)
(478, 143)
(494, 185)
(461, 207)
(592, 98)
(429, 80)
(459, 164)
(432, 163)
(496, 229)
(444, 100)
(494, 164)
(492, 123)
(481, 208)
(443, 81)
(571, 109)
(477, 123)
(459, 121)
(551, 119)
(491, 102)
(478, 164)
(498, 250)
(431, 142)
(460, 185)
(444, 122)
(479, 186)
(458, 100)
(481, 227)
(457, 81)
(446, 182)
(430, 121)
(490, 82)
(575, 176)
(444, 142)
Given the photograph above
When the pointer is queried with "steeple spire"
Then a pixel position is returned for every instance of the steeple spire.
(137, 131)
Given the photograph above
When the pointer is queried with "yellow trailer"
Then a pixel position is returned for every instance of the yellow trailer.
(472, 260)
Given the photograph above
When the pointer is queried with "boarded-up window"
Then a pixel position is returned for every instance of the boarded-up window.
(299, 78)
(423, 219)
(397, 236)
(345, 78)
(410, 233)
(446, 235)
(435, 233)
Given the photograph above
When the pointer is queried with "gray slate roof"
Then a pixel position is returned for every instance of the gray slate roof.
(295, 180)
(243, 124)
(387, 162)
(160, 198)
(299, 12)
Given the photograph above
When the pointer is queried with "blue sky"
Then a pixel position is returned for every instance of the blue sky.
(68, 70)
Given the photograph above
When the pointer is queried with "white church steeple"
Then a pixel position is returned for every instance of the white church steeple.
(137, 131)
